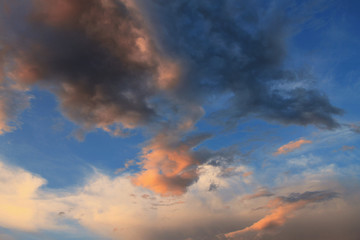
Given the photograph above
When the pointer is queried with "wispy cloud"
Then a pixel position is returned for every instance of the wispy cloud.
(13, 100)
(282, 209)
(291, 146)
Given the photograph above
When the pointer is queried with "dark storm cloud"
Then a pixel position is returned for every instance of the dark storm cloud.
(94, 55)
(239, 48)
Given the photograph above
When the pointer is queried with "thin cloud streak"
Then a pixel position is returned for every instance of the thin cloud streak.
(291, 146)
(282, 209)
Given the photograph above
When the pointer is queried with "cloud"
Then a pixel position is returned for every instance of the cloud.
(282, 209)
(95, 56)
(169, 166)
(107, 61)
(239, 49)
(12, 103)
(22, 205)
(116, 209)
(291, 146)
(123, 64)
(260, 193)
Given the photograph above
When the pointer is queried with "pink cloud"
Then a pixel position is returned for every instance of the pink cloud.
(291, 146)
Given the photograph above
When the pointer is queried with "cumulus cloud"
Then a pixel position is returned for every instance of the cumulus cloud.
(291, 146)
(22, 205)
(121, 64)
(96, 56)
(169, 167)
(116, 209)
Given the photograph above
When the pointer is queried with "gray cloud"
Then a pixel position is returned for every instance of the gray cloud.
(118, 65)
(94, 55)
(263, 192)
(109, 68)
(317, 196)
(239, 49)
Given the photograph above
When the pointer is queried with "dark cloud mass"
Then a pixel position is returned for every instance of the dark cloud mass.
(106, 64)
(239, 48)
(121, 64)
(94, 55)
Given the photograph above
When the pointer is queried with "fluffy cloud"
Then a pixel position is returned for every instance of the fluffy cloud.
(169, 167)
(22, 204)
(114, 208)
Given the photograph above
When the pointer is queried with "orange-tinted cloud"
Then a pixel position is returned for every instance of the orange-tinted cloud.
(291, 146)
(246, 174)
(97, 57)
(275, 219)
(282, 209)
(104, 204)
(169, 165)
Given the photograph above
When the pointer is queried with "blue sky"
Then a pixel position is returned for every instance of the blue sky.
(189, 120)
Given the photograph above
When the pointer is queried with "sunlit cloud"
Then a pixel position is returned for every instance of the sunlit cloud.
(183, 81)
(282, 209)
(291, 146)
(22, 204)
(114, 208)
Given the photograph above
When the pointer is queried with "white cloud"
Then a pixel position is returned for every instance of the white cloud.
(116, 209)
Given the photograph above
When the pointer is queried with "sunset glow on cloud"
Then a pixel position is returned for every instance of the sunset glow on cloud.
(181, 120)
(291, 146)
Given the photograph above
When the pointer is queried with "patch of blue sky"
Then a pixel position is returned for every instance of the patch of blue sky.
(44, 145)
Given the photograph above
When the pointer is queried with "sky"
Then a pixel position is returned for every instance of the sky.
(181, 120)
